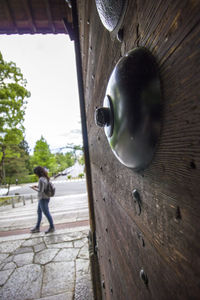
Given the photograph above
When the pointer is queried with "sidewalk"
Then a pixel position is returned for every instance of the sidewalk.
(47, 267)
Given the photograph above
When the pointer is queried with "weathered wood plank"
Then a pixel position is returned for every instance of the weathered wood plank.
(169, 187)
(121, 247)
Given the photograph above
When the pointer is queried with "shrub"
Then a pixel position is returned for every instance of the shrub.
(69, 176)
(25, 179)
(81, 175)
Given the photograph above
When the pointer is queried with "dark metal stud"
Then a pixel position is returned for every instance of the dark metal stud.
(137, 201)
(120, 35)
(144, 277)
(102, 116)
(141, 239)
(103, 284)
(178, 216)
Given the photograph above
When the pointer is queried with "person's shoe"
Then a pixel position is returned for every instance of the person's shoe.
(34, 230)
(51, 229)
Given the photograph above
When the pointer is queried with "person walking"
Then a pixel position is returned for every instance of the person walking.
(43, 200)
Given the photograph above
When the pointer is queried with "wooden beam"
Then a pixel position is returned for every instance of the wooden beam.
(49, 14)
(29, 11)
(10, 13)
(69, 29)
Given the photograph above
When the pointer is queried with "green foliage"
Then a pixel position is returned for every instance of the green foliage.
(42, 156)
(25, 154)
(81, 175)
(69, 176)
(23, 179)
(15, 166)
(13, 94)
(81, 160)
(64, 161)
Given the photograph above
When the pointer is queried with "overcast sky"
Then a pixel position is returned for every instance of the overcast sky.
(48, 64)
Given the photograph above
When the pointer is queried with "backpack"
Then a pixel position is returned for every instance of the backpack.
(50, 189)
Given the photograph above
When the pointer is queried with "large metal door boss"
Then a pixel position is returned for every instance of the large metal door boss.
(131, 112)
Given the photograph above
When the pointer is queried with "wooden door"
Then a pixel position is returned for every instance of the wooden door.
(155, 254)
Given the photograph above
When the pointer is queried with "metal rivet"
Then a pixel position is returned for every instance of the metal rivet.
(178, 216)
(192, 165)
(102, 116)
(144, 277)
(120, 35)
(137, 201)
(141, 239)
(103, 284)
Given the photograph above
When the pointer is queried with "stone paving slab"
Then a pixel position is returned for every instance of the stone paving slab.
(46, 267)
(64, 209)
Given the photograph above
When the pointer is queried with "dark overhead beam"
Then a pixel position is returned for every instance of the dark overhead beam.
(49, 14)
(69, 29)
(12, 18)
(29, 12)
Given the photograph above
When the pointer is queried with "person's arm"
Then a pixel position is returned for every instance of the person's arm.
(34, 187)
(41, 185)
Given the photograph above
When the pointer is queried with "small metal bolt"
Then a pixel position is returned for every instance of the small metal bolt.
(144, 277)
(178, 216)
(137, 201)
(102, 116)
(141, 239)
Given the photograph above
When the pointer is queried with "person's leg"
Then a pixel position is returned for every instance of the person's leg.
(39, 218)
(39, 212)
(44, 204)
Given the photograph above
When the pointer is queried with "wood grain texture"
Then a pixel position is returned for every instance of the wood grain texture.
(170, 186)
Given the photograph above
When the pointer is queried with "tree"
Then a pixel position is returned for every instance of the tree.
(13, 94)
(75, 149)
(81, 160)
(64, 161)
(42, 156)
(15, 164)
(24, 147)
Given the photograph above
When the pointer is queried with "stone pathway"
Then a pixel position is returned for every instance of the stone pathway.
(47, 267)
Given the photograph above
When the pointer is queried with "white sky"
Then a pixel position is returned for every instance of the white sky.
(48, 64)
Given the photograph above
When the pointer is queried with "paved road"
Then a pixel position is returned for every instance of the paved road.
(63, 187)
(69, 205)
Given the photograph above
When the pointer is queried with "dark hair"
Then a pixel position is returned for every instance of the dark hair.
(41, 172)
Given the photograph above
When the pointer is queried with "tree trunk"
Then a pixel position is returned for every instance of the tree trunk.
(2, 169)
